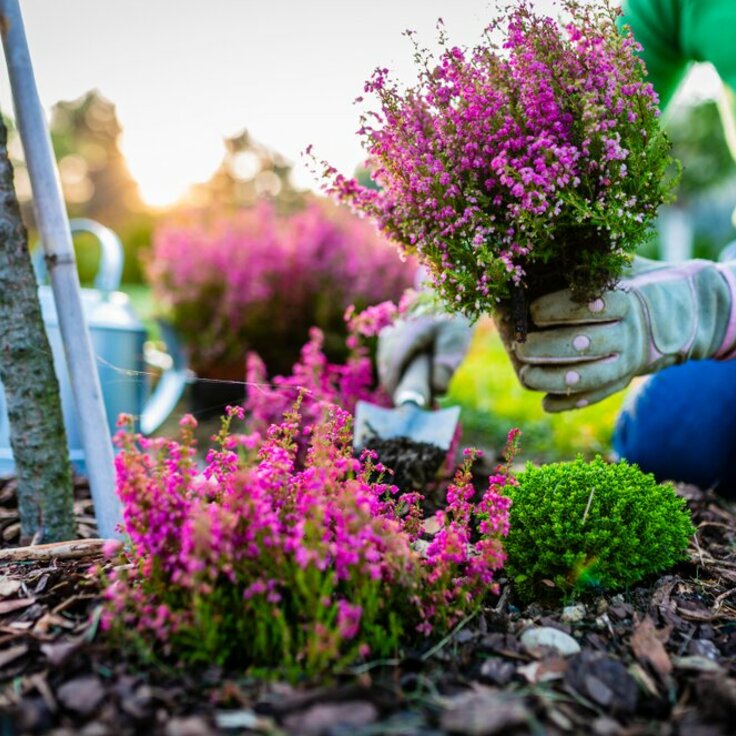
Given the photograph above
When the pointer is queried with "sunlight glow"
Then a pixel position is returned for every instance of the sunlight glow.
(165, 166)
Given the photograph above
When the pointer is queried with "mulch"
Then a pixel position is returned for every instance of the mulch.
(657, 659)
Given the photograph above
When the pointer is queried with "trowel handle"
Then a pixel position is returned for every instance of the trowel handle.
(414, 386)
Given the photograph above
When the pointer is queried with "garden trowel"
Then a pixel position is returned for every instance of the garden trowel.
(410, 417)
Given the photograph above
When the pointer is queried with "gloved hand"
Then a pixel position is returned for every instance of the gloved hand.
(444, 337)
(661, 315)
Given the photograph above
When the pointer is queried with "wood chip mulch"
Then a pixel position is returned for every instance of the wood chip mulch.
(658, 659)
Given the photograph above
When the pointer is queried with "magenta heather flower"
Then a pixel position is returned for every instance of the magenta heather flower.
(537, 162)
(256, 281)
(261, 560)
(319, 382)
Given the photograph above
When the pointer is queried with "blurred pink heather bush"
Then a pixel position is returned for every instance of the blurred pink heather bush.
(257, 281)
(536, 162)
(255, 563)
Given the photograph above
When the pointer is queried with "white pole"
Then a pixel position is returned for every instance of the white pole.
(53, 225)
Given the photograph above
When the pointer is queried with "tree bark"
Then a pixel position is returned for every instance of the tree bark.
(37, 434)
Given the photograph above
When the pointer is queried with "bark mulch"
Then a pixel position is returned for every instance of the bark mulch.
(657, 659)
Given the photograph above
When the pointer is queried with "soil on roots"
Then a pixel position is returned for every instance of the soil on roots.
(414, 465)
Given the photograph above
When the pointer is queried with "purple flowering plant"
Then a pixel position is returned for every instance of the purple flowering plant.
(316, 380)
(531, 162)
(262, 562)
(258, 281)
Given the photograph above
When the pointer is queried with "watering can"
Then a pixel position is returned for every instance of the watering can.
(119, 343)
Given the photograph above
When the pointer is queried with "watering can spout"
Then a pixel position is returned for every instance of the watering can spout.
(119, 342)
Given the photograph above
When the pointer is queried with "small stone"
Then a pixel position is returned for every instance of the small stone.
(573, 614)
(484, 712)
(537, 641)
(82, 695)
(703, 648)
(8, 586)
(323, 717)
(230, 720)
(497, 671)
(95, 729)
(605, 726)
(188, 726)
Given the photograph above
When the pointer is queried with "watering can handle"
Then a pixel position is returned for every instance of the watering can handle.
(414, 386)
(170, 385)
(110, 271)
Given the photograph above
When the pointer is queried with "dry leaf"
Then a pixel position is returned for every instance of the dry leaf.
(8, 587)
(15, 605)
(648, 648)
(10, 655)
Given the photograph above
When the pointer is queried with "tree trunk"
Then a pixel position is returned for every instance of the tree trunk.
(37, 435)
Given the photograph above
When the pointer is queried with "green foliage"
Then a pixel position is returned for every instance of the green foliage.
(592, 525)
(698, 141)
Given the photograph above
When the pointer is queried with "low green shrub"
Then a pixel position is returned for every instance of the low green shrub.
(584, 525)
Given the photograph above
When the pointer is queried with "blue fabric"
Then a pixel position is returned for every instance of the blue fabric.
(680, 424)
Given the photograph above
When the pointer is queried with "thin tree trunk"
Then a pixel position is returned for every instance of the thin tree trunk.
(37, 435)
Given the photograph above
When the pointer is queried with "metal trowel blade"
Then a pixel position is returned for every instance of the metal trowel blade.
(408, 420)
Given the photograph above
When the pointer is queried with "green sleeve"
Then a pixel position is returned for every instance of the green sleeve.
(677, 32)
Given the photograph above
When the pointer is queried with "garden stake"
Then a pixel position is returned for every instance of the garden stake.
(53, 225)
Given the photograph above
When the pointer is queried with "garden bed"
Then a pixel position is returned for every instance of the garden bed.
(657, 659)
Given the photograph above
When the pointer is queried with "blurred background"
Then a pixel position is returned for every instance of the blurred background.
(181, 127)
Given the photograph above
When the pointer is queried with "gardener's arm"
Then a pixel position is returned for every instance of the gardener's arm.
(675, 33)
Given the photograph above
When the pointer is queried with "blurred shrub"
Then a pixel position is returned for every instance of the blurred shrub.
(257, 281)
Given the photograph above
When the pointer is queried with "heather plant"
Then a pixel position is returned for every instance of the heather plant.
(315, 380)
(258, 281)
(587, 526)
(261, 562)
(531, 162)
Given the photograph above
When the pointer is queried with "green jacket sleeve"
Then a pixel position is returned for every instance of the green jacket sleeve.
(677, 32)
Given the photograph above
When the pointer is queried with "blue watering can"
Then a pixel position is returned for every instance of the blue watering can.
(119, 342)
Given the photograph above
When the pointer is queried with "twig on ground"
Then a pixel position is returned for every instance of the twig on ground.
(441, 644)
(53, 551)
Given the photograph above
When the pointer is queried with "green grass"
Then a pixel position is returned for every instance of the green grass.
(493, 401)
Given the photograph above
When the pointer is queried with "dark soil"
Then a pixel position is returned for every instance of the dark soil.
(414, 464)
(657, 659)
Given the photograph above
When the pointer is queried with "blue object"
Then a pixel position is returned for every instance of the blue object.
(680, 424)
(118, 339)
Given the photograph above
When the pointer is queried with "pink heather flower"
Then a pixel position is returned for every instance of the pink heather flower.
(223, 279)
(262, 555)
(502, 161)
(348, 619)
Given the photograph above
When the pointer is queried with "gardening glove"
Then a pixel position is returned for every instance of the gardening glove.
(444, 337)
(660, 315)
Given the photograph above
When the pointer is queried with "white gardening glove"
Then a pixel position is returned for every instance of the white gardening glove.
(444, 338)
(661, 315)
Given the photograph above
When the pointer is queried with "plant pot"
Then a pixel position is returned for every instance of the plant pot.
(215, 388)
